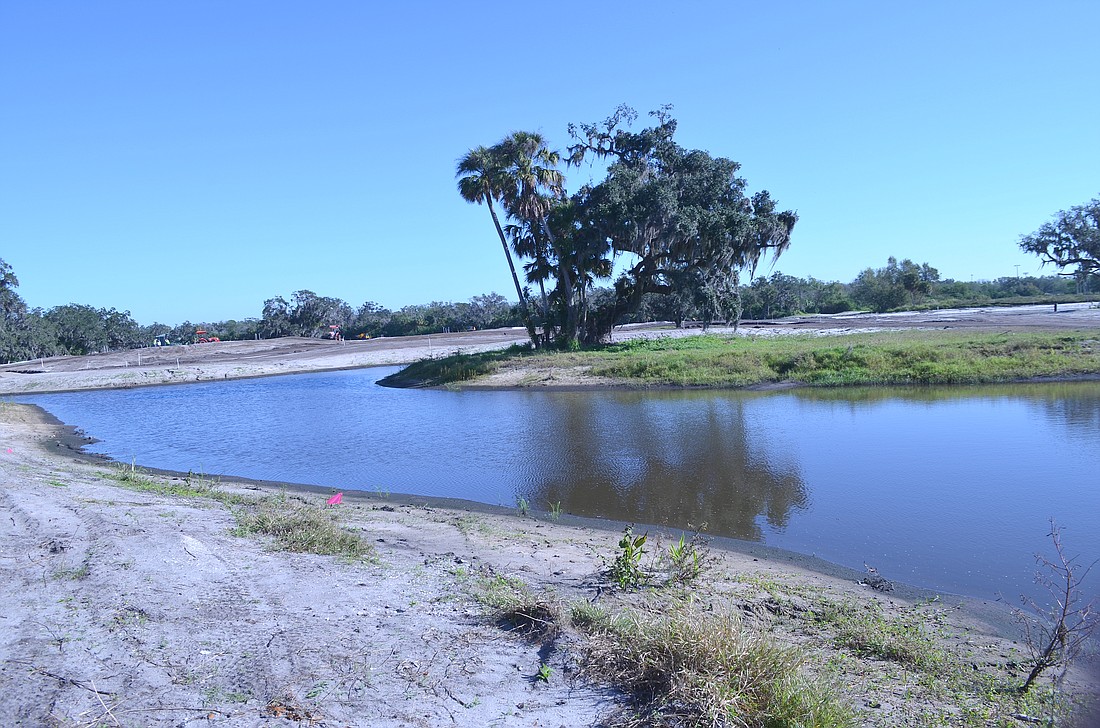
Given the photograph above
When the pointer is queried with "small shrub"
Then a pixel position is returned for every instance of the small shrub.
(1056, 635)
(627, 570)
(685, 559)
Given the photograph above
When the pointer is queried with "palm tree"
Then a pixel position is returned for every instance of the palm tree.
(481, 179)
(535, 187)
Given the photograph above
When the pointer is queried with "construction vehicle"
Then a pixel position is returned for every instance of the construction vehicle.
(202, 338)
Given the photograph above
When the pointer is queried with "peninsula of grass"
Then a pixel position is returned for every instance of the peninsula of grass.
(710, 361)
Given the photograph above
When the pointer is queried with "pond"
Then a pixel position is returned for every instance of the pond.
(946, 488)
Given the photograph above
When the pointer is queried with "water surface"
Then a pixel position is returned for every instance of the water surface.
(948, 488)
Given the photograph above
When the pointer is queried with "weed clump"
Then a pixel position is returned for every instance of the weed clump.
(626, 569)
(697, 668)
(869, 633)
(302, 529)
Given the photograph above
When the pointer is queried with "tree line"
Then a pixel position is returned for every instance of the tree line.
(30, 333)
(27, 333)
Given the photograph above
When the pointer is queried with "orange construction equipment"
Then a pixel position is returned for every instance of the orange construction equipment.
(202, 338)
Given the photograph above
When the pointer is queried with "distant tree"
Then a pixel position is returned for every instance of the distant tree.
(490, 311)
(120, 330)
(12, 313)
(79, 328)
(183, 333)
(276, 319)
(888, 288)
(1070, 240)
(312, 315)
(370, 319)
(24, 333)
(233, 330)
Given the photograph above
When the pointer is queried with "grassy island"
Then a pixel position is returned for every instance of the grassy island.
(919, 357)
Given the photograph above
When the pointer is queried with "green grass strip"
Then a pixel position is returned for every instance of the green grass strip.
(883, 358)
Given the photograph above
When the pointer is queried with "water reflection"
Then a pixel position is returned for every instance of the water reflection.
(665, 459)
(1075, 405)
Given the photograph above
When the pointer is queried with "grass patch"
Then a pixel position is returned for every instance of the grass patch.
(302, 529)
(74, 574)
(192, 486)
(454, 368)
(893, 358)
(869, 633)
(716, 656)
(704, 668)
(296, 527)
(680, 665)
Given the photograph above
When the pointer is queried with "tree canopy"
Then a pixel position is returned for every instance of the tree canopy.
(1070, 240)
(681, 220)
(884, 289)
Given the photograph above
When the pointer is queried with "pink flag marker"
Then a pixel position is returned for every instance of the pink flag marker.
(336, 499)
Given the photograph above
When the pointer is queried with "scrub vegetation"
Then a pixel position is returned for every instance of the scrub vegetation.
(883, 358)
(770, 650)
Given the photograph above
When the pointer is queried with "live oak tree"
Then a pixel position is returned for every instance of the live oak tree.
(681, 220)
(1071, 240)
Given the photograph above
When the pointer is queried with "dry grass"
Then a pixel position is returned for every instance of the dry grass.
(690, 667)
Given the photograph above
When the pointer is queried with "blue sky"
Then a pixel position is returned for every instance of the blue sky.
(187, 160)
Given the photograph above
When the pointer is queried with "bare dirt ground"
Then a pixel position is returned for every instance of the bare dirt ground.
(124, 608)
(238, 359)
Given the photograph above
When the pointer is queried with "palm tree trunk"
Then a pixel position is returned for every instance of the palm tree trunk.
(515, 278)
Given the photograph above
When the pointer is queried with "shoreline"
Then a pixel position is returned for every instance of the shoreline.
(152, 606)
(997, 614)
(123, 602)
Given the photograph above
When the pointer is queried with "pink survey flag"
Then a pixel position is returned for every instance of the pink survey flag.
(336, 499)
